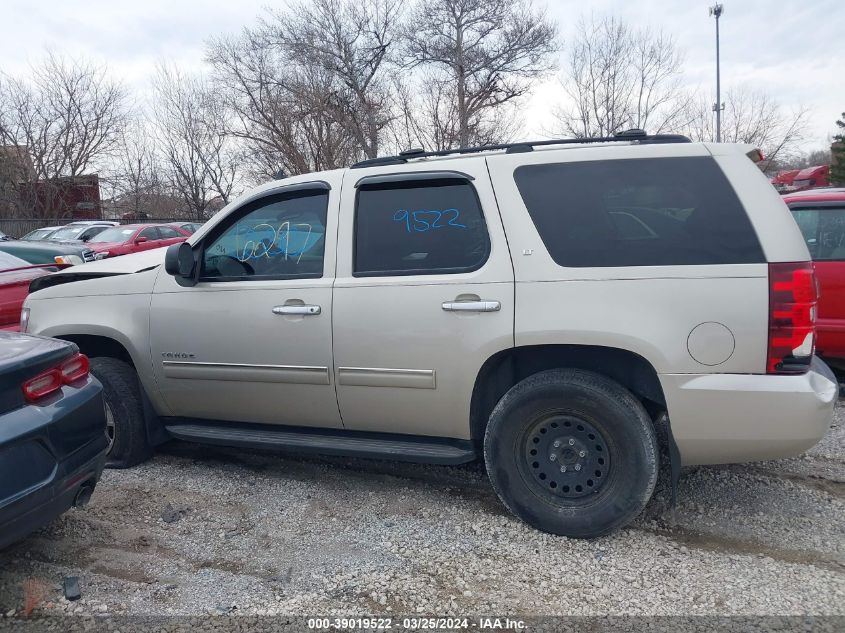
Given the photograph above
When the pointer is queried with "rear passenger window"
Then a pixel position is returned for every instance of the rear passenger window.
(418, 228)
(643, 212)
(167, 233)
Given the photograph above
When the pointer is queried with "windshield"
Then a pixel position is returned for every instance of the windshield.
(68, 233)
(116, 234)
(37, 234)
(7, 262)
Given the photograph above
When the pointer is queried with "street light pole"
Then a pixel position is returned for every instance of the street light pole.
(716, 10)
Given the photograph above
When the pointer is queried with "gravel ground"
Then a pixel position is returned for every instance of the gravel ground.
(258, 534)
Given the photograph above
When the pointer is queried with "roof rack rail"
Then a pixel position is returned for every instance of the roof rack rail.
(633, 135)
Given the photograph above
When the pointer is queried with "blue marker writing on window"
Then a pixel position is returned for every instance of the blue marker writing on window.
(428, 220)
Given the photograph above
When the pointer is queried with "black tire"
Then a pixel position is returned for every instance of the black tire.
(122, 394)
(615, 449)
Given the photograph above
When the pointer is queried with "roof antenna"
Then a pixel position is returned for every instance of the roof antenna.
(280, 175)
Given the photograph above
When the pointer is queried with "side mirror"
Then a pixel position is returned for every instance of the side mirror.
(140, 240)
(179, 260)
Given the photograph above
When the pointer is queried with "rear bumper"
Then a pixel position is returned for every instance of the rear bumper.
(726, 418)
(48, 455)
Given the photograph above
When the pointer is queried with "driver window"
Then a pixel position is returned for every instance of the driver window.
(278, 237)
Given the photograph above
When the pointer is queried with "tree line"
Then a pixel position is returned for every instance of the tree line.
(323, 83)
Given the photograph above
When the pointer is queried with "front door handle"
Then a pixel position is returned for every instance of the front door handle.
(300, 309)
(472, 306)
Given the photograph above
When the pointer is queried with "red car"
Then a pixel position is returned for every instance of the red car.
(811, 177)
(783, 181)
(820, 215)
(133, 238)
(15, 275)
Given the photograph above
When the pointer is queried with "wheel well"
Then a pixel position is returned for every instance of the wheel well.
(94, 346)
(503, 370)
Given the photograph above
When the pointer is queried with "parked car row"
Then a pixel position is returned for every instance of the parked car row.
(79, 230)
(85, 230)
(46, 250)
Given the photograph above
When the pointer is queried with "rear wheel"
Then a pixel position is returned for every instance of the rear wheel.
(571, 452)
(125, 427)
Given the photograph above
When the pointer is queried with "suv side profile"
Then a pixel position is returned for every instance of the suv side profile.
(542, 306)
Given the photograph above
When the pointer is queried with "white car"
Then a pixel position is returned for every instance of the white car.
(539, 306)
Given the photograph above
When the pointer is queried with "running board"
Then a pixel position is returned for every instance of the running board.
(408, 448)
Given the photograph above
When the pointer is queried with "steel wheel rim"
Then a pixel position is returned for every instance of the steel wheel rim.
(110, 427)
(566, 457)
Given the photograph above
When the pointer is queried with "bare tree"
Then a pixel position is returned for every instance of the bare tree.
(139, 185)
(427, 116)
(618, 78)
(65, 120)
(481, 55)
(752, 117)
(351, 42)
(285, 114)
(801, 160)
(201, 160)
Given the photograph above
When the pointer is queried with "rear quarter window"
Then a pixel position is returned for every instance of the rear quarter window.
(638, 212)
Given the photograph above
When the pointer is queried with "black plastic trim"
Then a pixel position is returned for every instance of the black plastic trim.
(410, 176)
(410, 448)
(627, 136)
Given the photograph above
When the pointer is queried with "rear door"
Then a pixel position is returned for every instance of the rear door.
(170, 236)
(423, 296)
(645, 248)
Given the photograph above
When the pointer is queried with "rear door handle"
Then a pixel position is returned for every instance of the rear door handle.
(472, 306)
(304, 310)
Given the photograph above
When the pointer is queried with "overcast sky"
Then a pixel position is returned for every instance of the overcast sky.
(795, 51)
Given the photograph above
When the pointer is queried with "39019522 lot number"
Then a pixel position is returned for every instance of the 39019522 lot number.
(388, 623)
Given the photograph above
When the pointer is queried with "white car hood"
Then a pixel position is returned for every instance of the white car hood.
(107, 276)
(123, 264)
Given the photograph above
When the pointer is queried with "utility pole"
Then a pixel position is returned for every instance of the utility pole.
(716, 10)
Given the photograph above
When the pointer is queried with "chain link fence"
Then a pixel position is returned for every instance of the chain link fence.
(19, 227)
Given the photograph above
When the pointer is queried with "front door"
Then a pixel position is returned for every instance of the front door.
(423, 296)
(252, 340)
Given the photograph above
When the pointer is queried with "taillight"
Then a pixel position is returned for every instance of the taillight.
(74, 368)
(793, 294)
(42, 385)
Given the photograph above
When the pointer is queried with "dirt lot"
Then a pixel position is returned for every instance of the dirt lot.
(209, 531)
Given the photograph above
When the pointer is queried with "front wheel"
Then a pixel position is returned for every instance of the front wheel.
(125, 429)
(571, 452)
